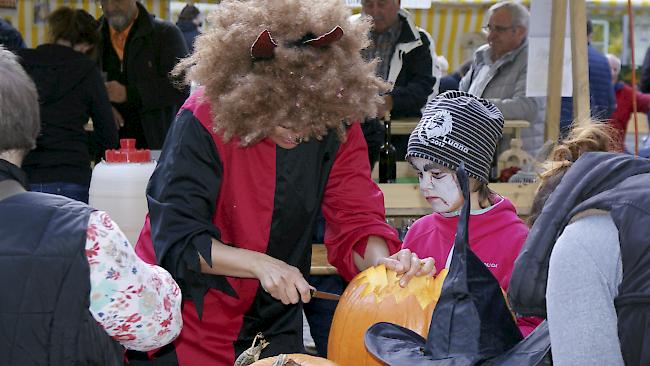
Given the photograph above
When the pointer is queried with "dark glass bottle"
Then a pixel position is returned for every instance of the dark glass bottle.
(494, 167)
(387, 166)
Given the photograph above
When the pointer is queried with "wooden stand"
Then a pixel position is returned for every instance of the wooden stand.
(405, 200)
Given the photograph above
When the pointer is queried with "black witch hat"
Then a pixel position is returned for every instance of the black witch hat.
(471, 323)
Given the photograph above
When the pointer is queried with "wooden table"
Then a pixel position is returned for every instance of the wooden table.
(406, 125)
(319, 263)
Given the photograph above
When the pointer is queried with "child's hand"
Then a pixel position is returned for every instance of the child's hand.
(408, 264)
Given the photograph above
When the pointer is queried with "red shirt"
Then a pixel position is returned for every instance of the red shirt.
(623, 111)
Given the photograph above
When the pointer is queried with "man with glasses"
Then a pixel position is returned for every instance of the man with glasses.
(498, 72)
(137, 53)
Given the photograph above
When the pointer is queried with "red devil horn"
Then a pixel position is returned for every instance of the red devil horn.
(264, 46)
(326, 39)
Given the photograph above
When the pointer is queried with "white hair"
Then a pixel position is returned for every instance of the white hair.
(19, 110)
(616, 61)
(520, 14)
(442, 64)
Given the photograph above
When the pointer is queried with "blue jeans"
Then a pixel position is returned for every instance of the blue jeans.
(74, 191)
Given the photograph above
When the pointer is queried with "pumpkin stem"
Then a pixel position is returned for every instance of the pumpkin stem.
(253, 353)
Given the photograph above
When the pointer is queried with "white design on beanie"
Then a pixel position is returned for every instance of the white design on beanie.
(437, 124)
(434, 129)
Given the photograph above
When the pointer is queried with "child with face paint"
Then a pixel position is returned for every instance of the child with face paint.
(455, 127)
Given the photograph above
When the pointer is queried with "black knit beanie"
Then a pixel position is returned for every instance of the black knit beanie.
(457, 126)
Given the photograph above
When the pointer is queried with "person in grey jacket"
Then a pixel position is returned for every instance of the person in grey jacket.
(499, 70)
(590, 220)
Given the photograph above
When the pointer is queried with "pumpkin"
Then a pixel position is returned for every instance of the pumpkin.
(373, 296)
(293, 360)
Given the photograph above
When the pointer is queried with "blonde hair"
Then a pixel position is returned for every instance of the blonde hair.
(583, 138)
(593, 136)
(302, 88)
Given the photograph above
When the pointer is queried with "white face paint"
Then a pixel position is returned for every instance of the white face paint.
(438, 185)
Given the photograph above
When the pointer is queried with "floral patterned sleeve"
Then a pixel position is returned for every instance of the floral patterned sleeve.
(138, 304)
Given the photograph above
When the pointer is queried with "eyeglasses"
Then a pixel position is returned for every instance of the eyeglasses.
(497, 28)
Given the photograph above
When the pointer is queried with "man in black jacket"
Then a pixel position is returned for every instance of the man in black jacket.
(136, 54)
(405, 61)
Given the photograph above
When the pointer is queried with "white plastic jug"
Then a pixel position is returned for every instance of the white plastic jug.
(118, 187)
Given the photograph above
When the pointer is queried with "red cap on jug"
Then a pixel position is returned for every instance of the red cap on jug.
(128, 153)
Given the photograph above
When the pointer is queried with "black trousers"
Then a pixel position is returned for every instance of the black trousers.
(373, 131)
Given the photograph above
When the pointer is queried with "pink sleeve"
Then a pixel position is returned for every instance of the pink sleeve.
(528, 324)
(353, 206)
(138, 304)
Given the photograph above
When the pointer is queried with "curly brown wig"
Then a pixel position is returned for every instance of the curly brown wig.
(302, 88)
(585, 137)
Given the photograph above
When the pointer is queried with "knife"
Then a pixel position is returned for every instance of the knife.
(324, 295)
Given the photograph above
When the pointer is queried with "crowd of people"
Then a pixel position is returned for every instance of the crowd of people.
(272, 151)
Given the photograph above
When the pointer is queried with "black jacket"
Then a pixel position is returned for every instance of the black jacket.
(70, 91)
(415, 81)
(615, 183)
(153, 48)
(411, 73)
(45, 284)
(190, 32)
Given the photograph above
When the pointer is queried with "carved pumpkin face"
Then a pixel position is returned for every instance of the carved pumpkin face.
(293, 360)
(373, 296)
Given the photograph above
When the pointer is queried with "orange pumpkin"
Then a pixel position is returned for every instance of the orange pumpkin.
(373, 296)
(297, 358)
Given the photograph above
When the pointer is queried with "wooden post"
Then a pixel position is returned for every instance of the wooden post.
(579, 61)
(555, 66)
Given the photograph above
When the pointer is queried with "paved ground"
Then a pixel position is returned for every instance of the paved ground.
(306, 336)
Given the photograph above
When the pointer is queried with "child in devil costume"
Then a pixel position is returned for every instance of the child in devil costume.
(263, 144)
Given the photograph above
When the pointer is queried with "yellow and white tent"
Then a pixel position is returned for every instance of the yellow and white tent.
(455, 25)
(29, 15)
